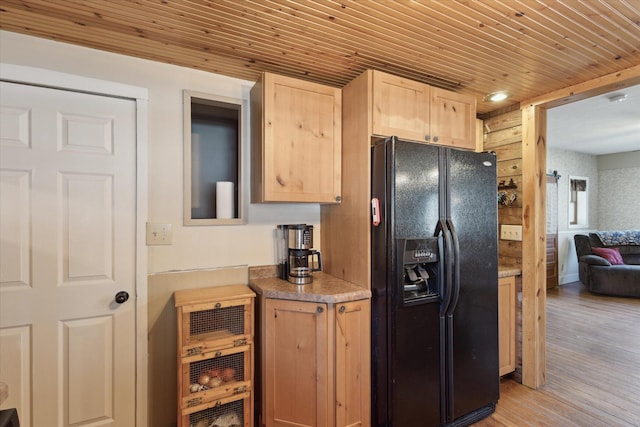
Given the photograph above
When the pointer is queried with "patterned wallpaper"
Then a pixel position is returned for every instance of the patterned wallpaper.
(618, 199)
(571, 163)
(613, 193)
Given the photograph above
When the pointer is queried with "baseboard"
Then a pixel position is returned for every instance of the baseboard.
(569, 278)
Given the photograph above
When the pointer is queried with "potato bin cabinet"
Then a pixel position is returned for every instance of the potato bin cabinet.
(215, 356)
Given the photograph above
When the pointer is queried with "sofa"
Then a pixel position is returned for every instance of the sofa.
(609, 262)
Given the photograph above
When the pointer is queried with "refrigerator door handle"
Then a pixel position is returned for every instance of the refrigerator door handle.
(446, 282)
(455, 284)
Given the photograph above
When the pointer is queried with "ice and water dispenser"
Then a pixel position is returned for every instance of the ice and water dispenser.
(420, 269)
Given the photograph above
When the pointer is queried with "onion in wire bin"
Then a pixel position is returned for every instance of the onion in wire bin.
(214, 382)
(204, 378)
(228, 374)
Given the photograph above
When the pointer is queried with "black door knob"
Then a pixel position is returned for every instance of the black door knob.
(122, 296)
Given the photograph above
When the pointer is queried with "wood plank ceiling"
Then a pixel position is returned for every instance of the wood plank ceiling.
(526, 47)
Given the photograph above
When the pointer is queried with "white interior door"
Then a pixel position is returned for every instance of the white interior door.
(67, 235)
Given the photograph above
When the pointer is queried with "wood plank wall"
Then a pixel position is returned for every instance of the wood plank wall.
(503, 134)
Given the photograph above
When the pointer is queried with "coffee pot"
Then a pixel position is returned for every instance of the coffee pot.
(297, 260)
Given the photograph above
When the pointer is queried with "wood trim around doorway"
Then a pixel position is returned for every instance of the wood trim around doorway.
(534, 213)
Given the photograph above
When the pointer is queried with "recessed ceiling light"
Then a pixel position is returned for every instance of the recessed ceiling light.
(497, 96)
(617, 97)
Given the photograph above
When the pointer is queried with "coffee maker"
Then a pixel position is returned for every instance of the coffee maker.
(296, 258)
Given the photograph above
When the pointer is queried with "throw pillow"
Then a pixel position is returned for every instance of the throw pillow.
(610, 254)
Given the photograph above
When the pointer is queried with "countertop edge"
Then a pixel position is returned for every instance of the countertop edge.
(324, 289)
(508, 271)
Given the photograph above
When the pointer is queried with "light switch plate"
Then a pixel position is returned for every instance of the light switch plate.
(511, 232)
(159, 234)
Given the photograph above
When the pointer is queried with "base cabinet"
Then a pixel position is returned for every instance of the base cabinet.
(315, 363)
(507, 324)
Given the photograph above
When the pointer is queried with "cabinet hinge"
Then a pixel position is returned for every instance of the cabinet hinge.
(194, 350)
(194, 402)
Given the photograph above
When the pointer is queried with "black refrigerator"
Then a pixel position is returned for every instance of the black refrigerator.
(434, 285)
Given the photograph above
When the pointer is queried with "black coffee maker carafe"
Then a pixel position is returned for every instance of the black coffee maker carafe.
(297, 259)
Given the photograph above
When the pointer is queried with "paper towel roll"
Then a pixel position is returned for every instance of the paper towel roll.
(224, 199)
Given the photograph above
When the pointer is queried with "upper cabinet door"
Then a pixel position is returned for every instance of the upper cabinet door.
(453, 119)
(296, 141)
(400, 107)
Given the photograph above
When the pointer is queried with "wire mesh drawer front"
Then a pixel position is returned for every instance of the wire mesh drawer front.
(218, 321)
(210, 379)
(226, 413)
(221, 326)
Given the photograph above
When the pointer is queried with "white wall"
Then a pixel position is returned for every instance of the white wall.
(193, 247)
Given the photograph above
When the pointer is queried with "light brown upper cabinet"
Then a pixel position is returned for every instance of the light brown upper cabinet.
(400, 107)
(453, 119)
(296, 141)
(419, 112)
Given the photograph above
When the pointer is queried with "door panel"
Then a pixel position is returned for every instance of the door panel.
(296, 354)
(400, 107)
(15, 256)
(15, 347)
(67, 239)
(86, 369)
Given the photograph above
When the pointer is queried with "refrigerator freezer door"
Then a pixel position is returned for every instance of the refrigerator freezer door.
(406, 357)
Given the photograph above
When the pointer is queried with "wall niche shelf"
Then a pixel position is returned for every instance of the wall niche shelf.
(212, 159)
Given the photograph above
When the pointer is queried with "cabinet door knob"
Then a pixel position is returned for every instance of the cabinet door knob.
(319, 310)
(427, 137)
(435, 139)
(342, 309)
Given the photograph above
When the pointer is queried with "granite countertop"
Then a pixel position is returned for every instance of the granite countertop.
(324, 288)
(506, 271)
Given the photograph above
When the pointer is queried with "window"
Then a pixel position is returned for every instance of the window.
(578, 202)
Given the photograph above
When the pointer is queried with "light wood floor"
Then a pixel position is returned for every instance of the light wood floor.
(593, 366)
